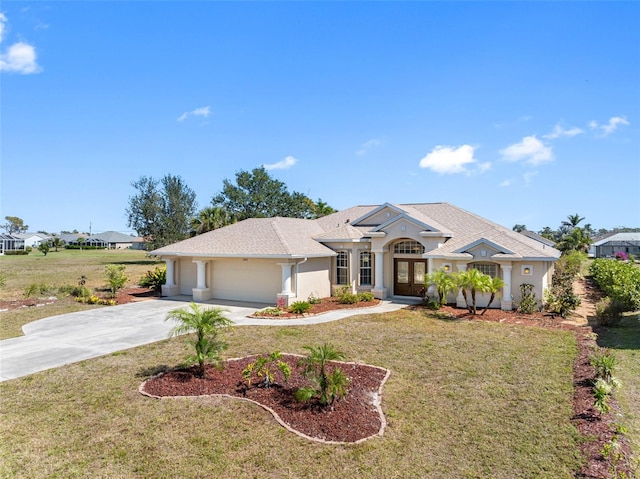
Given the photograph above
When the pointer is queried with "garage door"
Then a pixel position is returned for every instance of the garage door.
(247, 280)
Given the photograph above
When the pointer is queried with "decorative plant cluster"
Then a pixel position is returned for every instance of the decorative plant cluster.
(560, 298)
(621, 283)
(346, 296)
(154, 279)
(528, 301)
(93, 299)
(605, 383)
(266, 367)
(621, 256)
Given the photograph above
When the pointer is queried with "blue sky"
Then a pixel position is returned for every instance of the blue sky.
(520, 112)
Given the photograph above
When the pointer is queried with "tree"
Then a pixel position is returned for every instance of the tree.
(444, 283)
(519, 228)
(471, 282)
(206, 323)
(14, 225)
(162, 210)
(257, 195)
(209, 219)
(322, 209)
(572, 221)
(116, 277)
(576, 240)
(57, 243)
(493, 286)
(44, 248)
(548, 233)
(328, 385)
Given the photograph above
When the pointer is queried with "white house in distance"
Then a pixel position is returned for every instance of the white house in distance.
(385, 249)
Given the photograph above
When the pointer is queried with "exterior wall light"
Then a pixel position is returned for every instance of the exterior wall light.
(527, 270)
(446, 267)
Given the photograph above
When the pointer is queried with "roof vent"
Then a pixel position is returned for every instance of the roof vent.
(346, 221)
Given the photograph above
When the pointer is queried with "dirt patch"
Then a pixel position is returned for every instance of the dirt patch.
(349, 420)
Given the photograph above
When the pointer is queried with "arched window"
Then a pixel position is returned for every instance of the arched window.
(487, 268)
(408, 247)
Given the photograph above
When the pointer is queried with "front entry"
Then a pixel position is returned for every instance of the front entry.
(409, 276)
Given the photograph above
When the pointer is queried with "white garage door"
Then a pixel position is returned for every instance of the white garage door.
(255, 280)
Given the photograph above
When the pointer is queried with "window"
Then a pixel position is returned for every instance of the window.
(487, 268)
(408, 247)
(342, 268)
(365, 268)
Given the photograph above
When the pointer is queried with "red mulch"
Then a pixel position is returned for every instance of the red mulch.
(351, 419)
(325, 305)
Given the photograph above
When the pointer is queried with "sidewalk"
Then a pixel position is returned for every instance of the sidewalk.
(68, 338)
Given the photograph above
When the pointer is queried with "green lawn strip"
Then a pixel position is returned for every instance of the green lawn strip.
(58, 269)
(624, 342)
(465, 400)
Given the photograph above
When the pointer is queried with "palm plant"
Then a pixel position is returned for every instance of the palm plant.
(494, 286)
(206, 323)
(209, 219)
(328, 386)
(471, 282)
(572, 221)
(444, 283)
(576, 240)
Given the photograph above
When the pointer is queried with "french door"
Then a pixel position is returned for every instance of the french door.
(409, 276)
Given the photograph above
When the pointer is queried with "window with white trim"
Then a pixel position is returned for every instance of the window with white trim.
(487, 268)
(408, 247)
(342, 267)
(365, 268)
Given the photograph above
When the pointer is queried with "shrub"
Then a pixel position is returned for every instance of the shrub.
(365, 297)
(116, 278)
(602, 392)
(348, 298)
(608, 312)
(620, 281)
(154, 279)
(79, 291)
(16, 252)
(36, 288)
(273, 311)
(622, 256)
(528, 301)
(267, 366)
(299, 307)
(327, 385)
(560, 298)
(604, 363)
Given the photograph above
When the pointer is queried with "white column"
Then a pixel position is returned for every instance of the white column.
(201, 282)
(460, 302)
(170, 272)
(286, 294)
(432, 290)
(507, 303)
(378, 288)
(170, 288)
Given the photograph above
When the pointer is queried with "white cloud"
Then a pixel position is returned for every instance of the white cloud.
(559, 131)
(285, 164)
(19, 57)
(448, 159)
(530, 150)
(367, 146)
(610, 127)
(203, 111)
(505, 183)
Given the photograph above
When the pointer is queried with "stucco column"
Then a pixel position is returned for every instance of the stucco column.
(507, 303)
(431, 290)
(170, 272)
(170, 288)
(201, 292)
(286, 294)
(460, 302)
(379, 290)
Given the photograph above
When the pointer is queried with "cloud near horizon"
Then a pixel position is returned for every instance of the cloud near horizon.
(203, 111)
(19, 57)
(451, 160)
(530, 150)
(285, 164)
(610, 127)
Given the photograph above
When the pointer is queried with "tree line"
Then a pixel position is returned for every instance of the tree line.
(165, 211)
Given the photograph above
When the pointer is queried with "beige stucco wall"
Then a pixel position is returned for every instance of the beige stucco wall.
(312, 278)
(186, 275)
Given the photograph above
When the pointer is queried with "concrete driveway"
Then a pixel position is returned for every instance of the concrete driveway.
(69, 338)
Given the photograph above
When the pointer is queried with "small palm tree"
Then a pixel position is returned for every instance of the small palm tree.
(328, 386)
(206, 323)
(572, 221)
(494, 286)
(471, 282)
(444, 283)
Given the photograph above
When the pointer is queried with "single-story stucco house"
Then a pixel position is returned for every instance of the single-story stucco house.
(385, 249)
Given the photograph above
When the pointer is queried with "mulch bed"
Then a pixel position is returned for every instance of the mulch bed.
(325, 305)
(351, 419)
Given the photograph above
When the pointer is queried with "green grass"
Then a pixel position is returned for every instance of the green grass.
(624, 342)
(56, 270)
(464, 400)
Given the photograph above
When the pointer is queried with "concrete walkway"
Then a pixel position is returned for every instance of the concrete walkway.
(69, 338)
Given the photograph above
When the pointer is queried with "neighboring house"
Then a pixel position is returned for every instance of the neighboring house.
(537, 237)
(607, 247)
(10, 243)
(385, 249)
(71, 238)
(111, 240)
(138, 243)
(33, 240)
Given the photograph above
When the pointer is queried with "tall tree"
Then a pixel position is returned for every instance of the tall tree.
(576, 240)
(322, 209)
(14, 225)
(162, 210)
(209, 219)
(257, 195)
(572, 221)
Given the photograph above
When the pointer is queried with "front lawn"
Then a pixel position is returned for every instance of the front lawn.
(465, 400)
